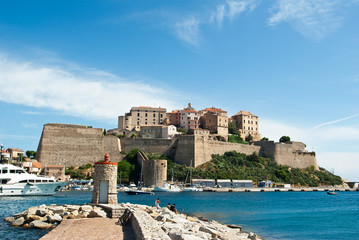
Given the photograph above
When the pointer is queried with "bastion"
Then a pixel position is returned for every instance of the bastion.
(76, 145)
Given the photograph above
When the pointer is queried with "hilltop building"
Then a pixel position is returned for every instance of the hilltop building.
(247, 124)
(189, 118)
(215, 120)
(139, 116)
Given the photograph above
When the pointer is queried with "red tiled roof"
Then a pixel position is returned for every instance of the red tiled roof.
(212, 109)
(245, 113)
(15, 149)
(55, 166)
(36, 164)
(192, 111)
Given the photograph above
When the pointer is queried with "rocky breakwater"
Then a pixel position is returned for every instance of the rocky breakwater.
(151, 223)
(47, 217)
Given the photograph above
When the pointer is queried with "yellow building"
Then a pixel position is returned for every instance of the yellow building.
(141, 116)
(246, 123)
(215, 120)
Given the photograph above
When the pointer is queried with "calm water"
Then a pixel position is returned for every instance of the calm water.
(277, 215)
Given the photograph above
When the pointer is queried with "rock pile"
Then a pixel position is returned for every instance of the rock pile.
(47, 217)
(152, 223)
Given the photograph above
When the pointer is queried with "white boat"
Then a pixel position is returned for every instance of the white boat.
(167, 187)
(192, 189)
(14, 181)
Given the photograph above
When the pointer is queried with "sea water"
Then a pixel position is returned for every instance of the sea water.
(272, 215)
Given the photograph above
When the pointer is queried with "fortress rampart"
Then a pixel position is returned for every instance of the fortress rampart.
(75, 145)
(292, 153)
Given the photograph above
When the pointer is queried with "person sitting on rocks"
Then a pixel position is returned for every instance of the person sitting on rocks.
(169, 206)
(173, 208)
(157, 203)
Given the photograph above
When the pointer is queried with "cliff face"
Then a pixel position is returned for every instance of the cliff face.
(75, 145)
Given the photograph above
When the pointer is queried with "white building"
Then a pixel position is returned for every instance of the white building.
(189, 120)
(169, 131)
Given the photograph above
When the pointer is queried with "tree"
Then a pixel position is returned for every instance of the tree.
(30, 154)
(264, 139)
(284, 139)
(249, 138)
(181, 130)
(232, 129)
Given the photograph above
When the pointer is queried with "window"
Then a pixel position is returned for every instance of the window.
(138, 123)
(38, 180)
(138, 114)
(244, 121)
(23, 181)
(161, 115)
(4, 171)
(146, 115)
(249, 128)
(154, 115)
(12, 171)
(145, 123)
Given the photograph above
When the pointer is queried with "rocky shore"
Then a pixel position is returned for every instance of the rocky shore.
(146, 222)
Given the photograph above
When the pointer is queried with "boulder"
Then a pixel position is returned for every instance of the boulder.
(26, 225)
(71, 208)
(31, 217)
(209, 230)
(83, 214)
(75, 212)
(252, 236)
(40, 224)
(9, 219)
(32, 210)
(86, 208)
(191, 219)
(18, 222)
(54, 218)
(97, 213)
(57, 209)
(22, 214)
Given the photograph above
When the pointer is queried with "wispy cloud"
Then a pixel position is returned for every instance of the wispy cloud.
(188, 30)
(232, 9)
(32, 113)
(75, 91)
(335, 121)
(314, 19)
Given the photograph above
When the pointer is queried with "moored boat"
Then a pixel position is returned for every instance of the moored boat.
(138, 192)
(167, 187)
(332, 193)
(14, 181)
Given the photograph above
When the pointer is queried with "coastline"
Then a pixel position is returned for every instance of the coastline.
(146, 222)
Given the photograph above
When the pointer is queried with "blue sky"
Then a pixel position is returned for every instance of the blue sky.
(294, 63)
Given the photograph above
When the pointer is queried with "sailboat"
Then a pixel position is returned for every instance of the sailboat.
(190, 187)
(138, 191)
(168, 187)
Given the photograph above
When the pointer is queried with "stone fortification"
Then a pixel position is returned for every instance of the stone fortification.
(154, 172)
(75, 145)
(292, 153)
(148, 145)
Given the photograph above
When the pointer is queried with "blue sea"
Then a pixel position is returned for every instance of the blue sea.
(272, 215)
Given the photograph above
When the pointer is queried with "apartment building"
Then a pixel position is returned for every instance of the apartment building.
(141, 116)
(215, 120)
(247, 123)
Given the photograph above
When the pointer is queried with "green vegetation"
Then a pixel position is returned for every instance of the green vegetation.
(284, 139)
(128, 169)
(31, 154)
(264, 139)
(82, 172)
(181, 130)
(236, 135)
(233, 165)
(249, 138)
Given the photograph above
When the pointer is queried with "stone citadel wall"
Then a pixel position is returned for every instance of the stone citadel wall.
(75, 145)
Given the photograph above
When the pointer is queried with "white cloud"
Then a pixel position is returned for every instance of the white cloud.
(314, 19)
(232, 9)
(335, 121)
(76, 91)
(188, 30)
(32, 113)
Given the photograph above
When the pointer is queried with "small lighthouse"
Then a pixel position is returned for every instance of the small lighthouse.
(105, 182)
